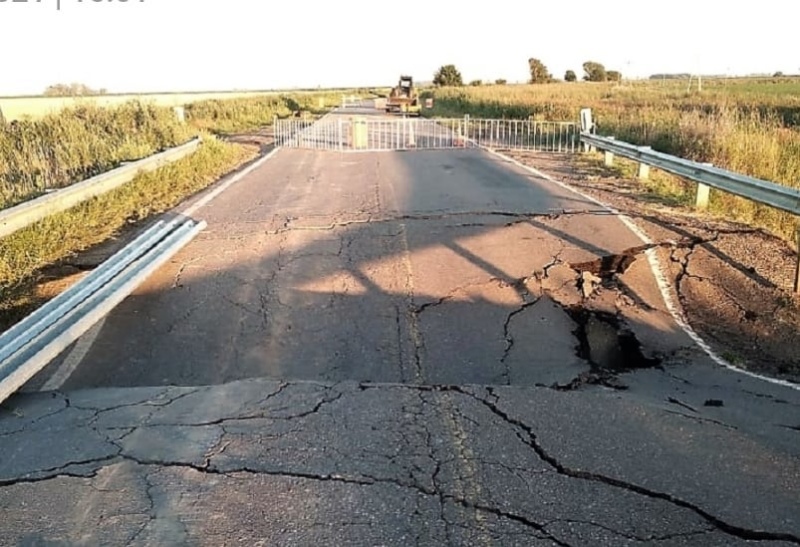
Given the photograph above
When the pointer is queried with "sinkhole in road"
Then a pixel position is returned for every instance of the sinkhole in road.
(609, 265)
(606, 343)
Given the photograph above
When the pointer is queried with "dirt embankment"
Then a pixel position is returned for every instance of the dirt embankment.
(734, 282)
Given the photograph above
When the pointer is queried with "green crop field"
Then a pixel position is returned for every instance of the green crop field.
(751, 126)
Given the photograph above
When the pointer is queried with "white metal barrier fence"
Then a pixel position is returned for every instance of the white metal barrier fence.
(544, 136)
(364, 133)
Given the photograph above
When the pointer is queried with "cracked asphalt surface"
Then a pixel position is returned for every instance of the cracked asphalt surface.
(412, 348)
(734, 282)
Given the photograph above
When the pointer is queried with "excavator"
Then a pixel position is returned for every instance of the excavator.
(404, 98)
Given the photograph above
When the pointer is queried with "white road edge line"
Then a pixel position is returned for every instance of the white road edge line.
(85, 342)
(205, 200)
(658, 272)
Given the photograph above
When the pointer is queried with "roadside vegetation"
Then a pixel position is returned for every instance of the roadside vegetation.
(79, 142)
(61, 149)
(246, 114)
(748, 126)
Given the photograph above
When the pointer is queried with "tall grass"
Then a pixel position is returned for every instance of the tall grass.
(77, 143)
(248, 113)
(745, 127)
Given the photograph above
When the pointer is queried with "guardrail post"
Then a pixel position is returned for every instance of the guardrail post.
(797, 264)
(644, 169)
(587, 126)
(180, 113)
(703, 193)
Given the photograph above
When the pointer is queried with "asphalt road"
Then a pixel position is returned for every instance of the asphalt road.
(418, 267)
(409, 348)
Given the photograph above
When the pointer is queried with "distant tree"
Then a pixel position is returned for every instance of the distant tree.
(539, 72)
(476, 83)
(500, 81)
(778, 74)
(570, 76)
(614, 76)
(594, 72)
(72, 90)
(447, 76)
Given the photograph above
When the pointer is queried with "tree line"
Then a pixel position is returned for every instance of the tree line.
(72, 90)
(449, 75)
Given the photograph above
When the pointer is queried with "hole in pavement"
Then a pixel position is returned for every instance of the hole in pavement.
(606, 344)
(608, 265)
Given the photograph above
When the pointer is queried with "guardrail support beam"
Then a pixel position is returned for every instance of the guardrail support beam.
(609, 158)
(703, 193)
(644, 171)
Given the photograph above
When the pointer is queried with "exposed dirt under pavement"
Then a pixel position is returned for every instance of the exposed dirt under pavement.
(734, 282)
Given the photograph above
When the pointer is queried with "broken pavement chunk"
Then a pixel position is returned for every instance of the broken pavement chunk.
(588, 283)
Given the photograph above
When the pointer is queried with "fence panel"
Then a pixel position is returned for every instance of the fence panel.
(380, 133)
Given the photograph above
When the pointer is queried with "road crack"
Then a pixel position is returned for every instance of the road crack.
(509, 338)
(370, 218)
(526, 434)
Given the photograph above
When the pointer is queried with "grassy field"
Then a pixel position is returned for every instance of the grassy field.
(748, 126)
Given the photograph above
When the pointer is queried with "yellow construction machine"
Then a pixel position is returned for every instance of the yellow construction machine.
(404, 98)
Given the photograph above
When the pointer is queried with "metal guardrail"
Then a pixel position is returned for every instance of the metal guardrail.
(27, 347)
(762, 191)
(26, 213)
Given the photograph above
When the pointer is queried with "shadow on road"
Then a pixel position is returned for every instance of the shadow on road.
(443, 268)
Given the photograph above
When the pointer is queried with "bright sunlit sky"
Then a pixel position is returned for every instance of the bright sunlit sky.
(185, 45)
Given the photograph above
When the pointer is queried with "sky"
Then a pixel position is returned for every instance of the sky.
(194, 45)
